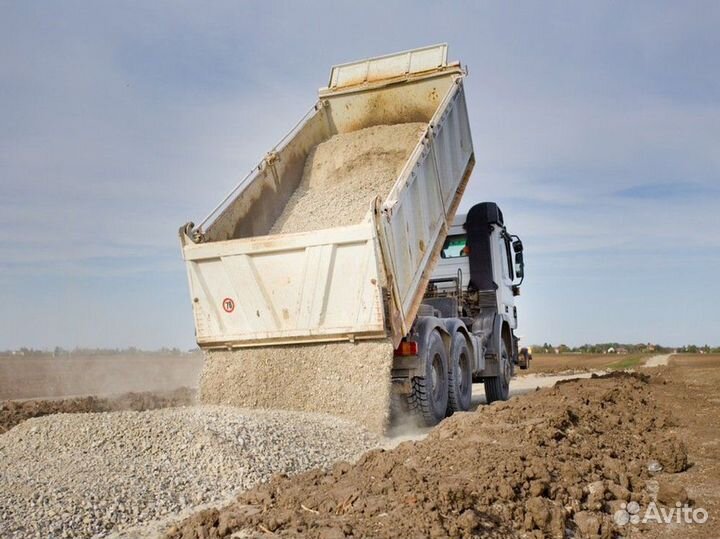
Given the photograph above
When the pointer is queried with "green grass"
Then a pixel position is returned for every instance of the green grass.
(628, 362)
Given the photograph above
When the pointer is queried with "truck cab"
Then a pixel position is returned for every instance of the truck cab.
(469, 306)
(500, 266)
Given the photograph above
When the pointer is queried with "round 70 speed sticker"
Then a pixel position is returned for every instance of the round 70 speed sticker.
(228, 305)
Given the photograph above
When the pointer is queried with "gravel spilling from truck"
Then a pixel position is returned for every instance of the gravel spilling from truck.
(343, 175)
(78, 475)
(341, 178)
(350, 380)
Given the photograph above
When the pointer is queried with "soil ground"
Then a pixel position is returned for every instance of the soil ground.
(690, 393)
(556, 461)
(558, 363)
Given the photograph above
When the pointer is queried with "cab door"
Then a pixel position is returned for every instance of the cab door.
(504, 276)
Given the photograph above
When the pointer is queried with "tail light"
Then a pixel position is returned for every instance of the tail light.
(407, 348)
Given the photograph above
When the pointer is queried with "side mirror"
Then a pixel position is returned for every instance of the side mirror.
(519, 261)
(519, 265)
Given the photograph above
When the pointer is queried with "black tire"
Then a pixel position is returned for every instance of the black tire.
(429, 397)
(497, 388)
(459, 375)
(524, 358)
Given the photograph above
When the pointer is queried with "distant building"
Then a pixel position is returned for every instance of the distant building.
(611, 350)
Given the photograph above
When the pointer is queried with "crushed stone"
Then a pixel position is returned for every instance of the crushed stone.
(344, 174)
(97, 474)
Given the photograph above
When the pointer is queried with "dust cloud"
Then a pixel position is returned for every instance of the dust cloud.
(53, 377)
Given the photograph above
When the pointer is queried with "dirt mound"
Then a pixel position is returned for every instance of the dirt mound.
(561, 459)
(14, 412)
(344, 174)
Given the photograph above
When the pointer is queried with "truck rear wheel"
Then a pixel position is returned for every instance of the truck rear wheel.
(459, 376)
(497, 388)
(429, 396)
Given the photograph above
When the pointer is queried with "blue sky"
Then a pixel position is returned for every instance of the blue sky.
(596, 128)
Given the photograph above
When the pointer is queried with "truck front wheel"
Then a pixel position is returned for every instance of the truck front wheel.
(429, 396)
(497, 388)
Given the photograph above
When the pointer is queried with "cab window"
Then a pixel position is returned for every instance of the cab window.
(454, 246)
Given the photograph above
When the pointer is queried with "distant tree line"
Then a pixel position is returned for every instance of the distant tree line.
(96, 352)
(548, 348)
(603, 348)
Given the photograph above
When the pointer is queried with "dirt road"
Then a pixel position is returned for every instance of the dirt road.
(658, 361)
(572, 362)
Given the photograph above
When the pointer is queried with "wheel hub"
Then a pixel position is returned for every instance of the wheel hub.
(437, 375)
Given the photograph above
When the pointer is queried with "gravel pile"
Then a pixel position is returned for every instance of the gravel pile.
(344, 174)
(80, 475)
(350, 380)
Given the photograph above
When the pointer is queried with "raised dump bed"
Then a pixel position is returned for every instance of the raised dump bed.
(333, 236)
(311, 271)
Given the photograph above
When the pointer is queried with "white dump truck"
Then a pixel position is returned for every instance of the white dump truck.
(440, 288)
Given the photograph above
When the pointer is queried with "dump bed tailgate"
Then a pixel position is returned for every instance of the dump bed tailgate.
(317, 286)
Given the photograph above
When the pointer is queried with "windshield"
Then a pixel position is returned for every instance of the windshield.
(454, 246)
